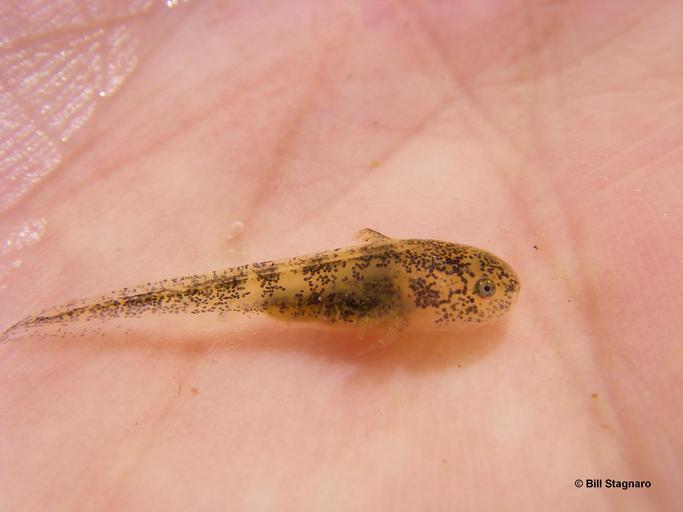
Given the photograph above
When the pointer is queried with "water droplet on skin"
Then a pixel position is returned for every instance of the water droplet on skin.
(174, 3)
(27, 234)
(236, 230)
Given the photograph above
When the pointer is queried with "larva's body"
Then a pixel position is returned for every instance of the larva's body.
(381, 282)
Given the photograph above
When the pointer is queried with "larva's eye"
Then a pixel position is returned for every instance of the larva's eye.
(485, 288)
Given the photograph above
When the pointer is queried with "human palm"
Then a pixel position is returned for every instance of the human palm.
(550, 135)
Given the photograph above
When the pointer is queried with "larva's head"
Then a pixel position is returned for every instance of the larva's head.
(460, 284)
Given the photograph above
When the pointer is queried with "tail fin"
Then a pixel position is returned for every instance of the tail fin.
(214, 293)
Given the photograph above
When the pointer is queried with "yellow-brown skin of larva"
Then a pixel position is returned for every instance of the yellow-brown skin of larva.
(417, 283)
(383, 282)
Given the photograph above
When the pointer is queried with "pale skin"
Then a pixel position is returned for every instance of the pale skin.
(548, 135)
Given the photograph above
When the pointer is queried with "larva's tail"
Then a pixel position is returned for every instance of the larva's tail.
(16, 330)
(60, 316)
(217, 293)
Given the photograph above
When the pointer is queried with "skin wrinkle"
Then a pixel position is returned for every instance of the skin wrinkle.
(104, 168)
(638, 19)
(201, 116)
(387, 154)
(635, 450)
(662, 74)
(144, 447)
(458, 79)
(138, 449)
(557, 66)
(655, 71)
(30, 113)
(290, 127)
(616, 35)
(341, 194)
(81, 144)
(635, 148)
(496, 57)
(512, 53)
(75, 31)
(190, 123)
(564, 214)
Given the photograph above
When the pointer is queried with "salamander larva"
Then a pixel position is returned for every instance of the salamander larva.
(381, 282)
